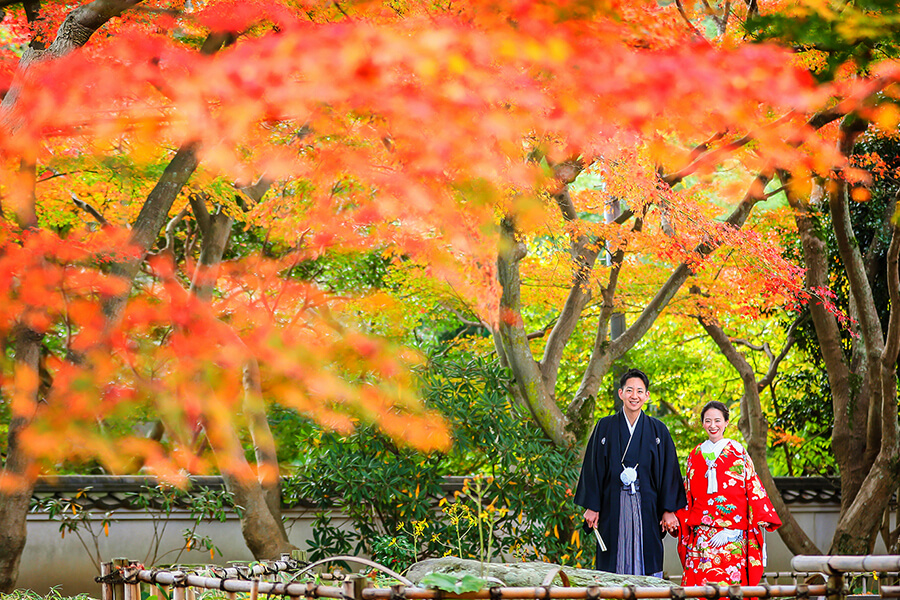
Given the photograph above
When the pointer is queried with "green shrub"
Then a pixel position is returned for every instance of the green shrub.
(516, 502)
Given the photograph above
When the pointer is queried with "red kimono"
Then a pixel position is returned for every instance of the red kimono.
(720, 538)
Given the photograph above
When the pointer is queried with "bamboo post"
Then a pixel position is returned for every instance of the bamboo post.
(106, 590)
(178, 593)
(254, 588)
(133, 568)
(834, 587)
(353, 587)
(119, 565)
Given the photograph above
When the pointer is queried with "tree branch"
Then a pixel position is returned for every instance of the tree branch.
(257, 190)
(775, 361)
(604, 353)
(201, 214)
(817, 121)
(585, 249)
(757, 348)
(170, 229)
(74, 32)
(89, 209)
(679, 4)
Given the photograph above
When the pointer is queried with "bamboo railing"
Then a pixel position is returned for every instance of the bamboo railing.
(121, 580)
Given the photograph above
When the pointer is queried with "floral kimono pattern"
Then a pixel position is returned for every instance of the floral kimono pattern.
(720, 539)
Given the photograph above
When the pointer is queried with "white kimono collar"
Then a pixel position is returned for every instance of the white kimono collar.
(707, 448)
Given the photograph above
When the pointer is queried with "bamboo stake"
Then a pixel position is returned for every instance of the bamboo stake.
(133, 568)
(106, 590)
(119, 565)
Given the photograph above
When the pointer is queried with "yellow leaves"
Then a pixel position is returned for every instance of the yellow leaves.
(457, 64)
(887, 117)
(576, 537)
(558, 49)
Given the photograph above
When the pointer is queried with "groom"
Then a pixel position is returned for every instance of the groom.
(630, 484)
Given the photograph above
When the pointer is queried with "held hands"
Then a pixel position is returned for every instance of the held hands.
(669, 523)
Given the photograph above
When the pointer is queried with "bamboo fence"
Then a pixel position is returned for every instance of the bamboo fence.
(122, 579)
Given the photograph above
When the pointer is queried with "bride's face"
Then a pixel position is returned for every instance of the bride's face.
(714, 423)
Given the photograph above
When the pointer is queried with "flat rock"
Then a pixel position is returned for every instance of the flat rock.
(528, 574)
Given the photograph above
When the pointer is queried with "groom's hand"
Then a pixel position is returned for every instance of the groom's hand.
(669, 522)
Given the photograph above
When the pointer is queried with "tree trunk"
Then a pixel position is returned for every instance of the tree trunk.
(525, 369)
(856, 530)
(20, 472)
(850, 411)
(863, 390)
(259, 495)
(149, 223)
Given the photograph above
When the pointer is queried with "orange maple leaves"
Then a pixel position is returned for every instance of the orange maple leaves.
(383, 125)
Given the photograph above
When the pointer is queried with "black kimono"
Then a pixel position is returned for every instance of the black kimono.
(661, 484)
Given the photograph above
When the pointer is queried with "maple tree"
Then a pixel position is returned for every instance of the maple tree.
(860, 92)
(406, 126)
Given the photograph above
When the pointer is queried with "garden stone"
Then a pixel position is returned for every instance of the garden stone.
(528, 574)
